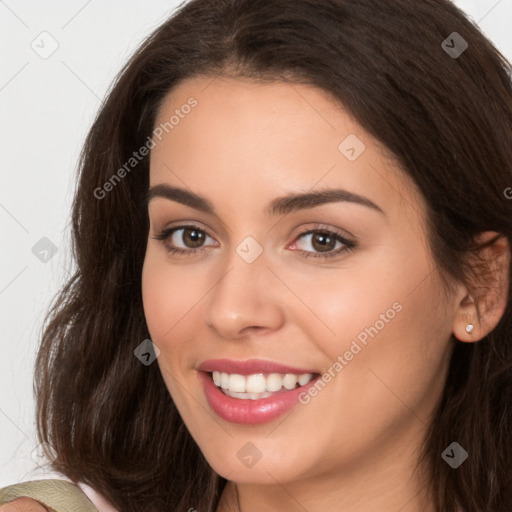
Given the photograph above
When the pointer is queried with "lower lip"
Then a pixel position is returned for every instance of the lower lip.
(247, 411)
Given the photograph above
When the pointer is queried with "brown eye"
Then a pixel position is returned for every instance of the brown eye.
(195, 236)
(183, 239)
(323, 244)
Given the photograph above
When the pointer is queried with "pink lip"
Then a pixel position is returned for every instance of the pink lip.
(248, 367)
(249, 412)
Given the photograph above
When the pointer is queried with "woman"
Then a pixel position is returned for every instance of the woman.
(292, 231)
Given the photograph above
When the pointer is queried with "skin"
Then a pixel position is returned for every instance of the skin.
(355, 445)
(24, 505)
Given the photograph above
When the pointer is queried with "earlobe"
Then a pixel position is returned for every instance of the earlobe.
(480, 312)
(466, 324)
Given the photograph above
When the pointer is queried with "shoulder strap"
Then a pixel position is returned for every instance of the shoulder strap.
(59, 495)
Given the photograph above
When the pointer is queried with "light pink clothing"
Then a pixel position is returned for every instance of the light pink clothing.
(100, 502)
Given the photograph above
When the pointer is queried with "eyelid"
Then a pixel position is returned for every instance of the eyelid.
(164, 233)
(349, 244)
(343, 233)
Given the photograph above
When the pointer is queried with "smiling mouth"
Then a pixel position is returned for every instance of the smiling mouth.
(258, 385)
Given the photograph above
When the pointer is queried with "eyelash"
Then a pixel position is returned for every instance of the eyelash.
(349, 245)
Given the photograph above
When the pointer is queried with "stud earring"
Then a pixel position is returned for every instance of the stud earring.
(469, 328)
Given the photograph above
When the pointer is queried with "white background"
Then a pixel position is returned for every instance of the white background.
(47, 107)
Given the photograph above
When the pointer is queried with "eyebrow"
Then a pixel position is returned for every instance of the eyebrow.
(279, 206)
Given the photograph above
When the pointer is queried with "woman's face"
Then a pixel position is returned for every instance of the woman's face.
(278, 279)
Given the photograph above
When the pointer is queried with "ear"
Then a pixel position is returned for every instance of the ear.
(482, 304)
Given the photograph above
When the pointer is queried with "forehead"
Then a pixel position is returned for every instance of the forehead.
(240, 107)
(247, 139)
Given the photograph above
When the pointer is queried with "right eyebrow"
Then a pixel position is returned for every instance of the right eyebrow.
(279, 206)
(180, 195)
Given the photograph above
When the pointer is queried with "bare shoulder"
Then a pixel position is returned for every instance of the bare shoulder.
(45, 495)
(24, 505)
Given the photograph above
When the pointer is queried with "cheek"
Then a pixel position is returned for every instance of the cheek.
(393, 357)
(382, 328)
(169, 295)
(335, 307)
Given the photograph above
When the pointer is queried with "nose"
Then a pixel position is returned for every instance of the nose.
(247, 300)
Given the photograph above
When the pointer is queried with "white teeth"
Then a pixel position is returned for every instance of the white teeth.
(256, 385)
(304, 378)
(290, 381)
(224, 380)
(247, 396)
(274, 382)
(237, 383)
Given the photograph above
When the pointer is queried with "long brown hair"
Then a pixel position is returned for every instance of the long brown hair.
(447, 119)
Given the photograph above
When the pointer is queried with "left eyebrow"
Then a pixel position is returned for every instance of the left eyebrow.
(279, 206)
(291, 202)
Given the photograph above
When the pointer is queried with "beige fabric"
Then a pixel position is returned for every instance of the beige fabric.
(59, 495)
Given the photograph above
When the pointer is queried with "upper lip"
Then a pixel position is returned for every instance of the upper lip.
(249, 367)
